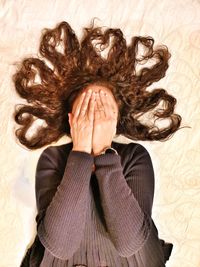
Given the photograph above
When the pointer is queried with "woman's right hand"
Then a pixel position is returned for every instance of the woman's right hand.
(81, 122)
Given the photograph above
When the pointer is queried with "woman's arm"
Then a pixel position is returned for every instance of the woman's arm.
(62, 201)
(127, 201)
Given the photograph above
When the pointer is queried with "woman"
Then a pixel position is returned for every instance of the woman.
(94, 196)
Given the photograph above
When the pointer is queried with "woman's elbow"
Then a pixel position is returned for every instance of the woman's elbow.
(129, 246)
(58, 248)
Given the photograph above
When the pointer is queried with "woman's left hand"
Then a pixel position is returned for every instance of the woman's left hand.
(105, 122)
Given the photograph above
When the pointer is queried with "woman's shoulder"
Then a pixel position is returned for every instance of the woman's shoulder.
(58, 149)
(56, 154)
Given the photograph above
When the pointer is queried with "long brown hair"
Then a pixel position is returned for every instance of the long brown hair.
(81, 64)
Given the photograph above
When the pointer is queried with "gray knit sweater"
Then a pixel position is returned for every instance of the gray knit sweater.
(100, 218)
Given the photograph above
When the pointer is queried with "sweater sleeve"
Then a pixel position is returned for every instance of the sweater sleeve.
(62, 201)
(127, 199)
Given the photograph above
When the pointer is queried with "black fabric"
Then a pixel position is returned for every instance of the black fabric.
(167, 248)
(32, 258)
(114, 177)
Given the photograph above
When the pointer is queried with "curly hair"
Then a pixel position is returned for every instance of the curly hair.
(81, 64)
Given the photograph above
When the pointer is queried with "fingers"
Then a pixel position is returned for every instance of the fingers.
(91, 107)
(108, 105)
(78, 107)
(103, 97)
(87, 105)
(82, 104)
(99, 108)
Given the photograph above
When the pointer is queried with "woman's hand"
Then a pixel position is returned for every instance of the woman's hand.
(105, 122)
(81, 122)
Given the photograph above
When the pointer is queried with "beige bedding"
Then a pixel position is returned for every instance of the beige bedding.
(176, 24)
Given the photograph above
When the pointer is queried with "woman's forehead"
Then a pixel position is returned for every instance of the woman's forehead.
(97, 88)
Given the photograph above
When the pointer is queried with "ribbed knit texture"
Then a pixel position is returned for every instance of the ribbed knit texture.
(100, 218)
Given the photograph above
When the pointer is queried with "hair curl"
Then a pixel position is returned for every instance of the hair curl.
(81, 64)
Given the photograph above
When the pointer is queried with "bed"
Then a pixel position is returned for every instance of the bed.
(175, 24)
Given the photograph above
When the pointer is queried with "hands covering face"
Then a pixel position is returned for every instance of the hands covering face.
(105, 122)
(94, 121)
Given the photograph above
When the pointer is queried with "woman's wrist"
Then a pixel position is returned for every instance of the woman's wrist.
(82, 149)
(97, 151)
